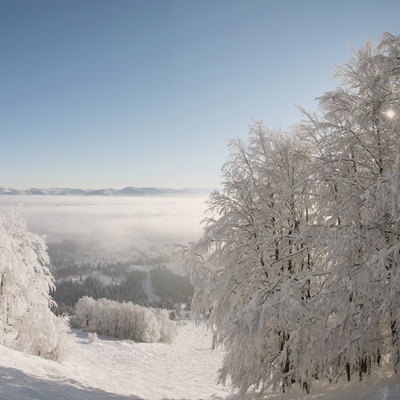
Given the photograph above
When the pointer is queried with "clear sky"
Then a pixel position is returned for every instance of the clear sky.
(117, 93)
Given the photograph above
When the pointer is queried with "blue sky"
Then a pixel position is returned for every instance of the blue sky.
(119, 93)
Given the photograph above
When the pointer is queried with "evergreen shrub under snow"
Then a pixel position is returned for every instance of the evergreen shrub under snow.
(124, 320)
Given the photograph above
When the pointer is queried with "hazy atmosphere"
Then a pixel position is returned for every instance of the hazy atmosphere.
(101, 93)
(118, 222)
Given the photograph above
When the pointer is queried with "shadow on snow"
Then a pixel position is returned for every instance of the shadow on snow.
(16, 385)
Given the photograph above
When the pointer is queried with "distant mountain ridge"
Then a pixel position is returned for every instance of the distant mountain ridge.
(127, 191)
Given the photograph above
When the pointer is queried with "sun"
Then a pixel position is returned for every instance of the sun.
(390, 113)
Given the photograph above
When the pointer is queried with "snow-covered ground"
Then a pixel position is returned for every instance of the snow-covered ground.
(120, 370)
(111, 369)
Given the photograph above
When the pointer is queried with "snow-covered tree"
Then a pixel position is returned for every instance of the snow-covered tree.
(297, 265)
(26, 320)
(356, 141)
(250, 250)
(124, 320)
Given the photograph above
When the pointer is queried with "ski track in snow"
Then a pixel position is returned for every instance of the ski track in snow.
(109, 369)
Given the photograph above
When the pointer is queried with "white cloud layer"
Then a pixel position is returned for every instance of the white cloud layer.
(115, 220)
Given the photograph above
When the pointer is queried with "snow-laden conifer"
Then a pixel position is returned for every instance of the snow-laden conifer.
(26, 320)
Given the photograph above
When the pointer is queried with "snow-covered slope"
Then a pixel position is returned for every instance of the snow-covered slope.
(111, 369)
(122, 370)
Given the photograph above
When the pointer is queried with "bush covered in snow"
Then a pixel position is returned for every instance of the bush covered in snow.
(26, 320)
(124, 320)
(92, 337)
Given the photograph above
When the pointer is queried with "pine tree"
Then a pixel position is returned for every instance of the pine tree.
(26, 320)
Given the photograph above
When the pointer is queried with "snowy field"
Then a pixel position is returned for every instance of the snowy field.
(121, 370)
(110, 370)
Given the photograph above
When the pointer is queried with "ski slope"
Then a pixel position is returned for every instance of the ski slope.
(111, 369)
(123, 370)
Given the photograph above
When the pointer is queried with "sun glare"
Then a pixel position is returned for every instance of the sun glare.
(390, 113)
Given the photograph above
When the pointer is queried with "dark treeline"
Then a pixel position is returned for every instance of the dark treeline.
(71, 252)
(113, 270)
(69, 291)
(170, 287)
(127, 285)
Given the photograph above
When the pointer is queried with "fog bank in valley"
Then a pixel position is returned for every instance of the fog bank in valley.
(117, 221)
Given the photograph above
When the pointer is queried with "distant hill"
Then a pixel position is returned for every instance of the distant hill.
(128, 191)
